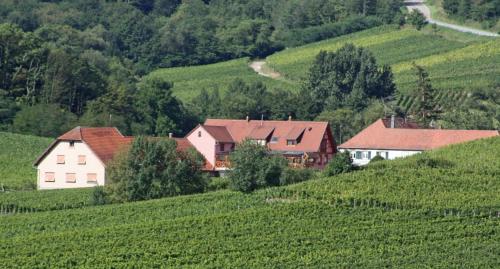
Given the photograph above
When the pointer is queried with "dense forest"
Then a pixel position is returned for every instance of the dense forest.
(485, 11)
(80, 62)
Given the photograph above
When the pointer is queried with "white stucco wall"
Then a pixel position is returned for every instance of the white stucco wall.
(49, 164)
(204, 144)
(391, 154)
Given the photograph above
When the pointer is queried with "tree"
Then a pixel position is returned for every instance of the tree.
(159, 113)
(47, 120)
(341, 163)
(426, 106)
(417, 19)
(349, 77)
(253, 167)
(153, 168)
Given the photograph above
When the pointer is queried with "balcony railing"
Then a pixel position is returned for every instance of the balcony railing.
(222, 161)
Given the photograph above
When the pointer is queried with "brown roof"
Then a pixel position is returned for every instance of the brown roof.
(261, 132)
(183, 144)
(295, 133)
(378, 136)
(103, 141)
(219, 133)
(242, 129)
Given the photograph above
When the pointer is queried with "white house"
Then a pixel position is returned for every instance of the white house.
(395, 138)
(78, 158)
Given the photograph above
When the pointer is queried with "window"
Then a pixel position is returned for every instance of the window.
(199, 133)
(50, 177)
(387, 155)
(82, 159)
(291, 142)
(358, 155)
(60, 159)
(369, 155)
(92, 177)
(70, 177)
(221, 147)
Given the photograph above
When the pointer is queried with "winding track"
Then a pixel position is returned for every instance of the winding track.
(420, 6)
(258, 65)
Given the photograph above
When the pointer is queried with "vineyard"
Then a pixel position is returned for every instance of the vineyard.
(17, 154)
(447, 58)
(189, 81)
(437, 209)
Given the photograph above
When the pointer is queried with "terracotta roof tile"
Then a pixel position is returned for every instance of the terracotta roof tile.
(242, 129)
(295, 133)
(219, 133)
(261, 132)
(378, 136)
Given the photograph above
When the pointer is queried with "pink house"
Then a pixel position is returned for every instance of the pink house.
(303, 143)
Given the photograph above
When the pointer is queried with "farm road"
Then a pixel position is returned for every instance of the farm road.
(420, 6)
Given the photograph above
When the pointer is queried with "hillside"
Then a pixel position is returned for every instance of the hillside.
(438, 209)
(189, 81)
(448, 57)
(16, 159)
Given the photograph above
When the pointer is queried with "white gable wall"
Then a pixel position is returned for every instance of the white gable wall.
(385, 153)
(49, 164)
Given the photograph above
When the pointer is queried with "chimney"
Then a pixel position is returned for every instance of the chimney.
(248, 118)
(393, 123)
(262, 119)
(170, 135)
(289, 117)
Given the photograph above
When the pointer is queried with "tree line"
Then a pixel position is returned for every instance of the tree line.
(487, 11)
(64, 63)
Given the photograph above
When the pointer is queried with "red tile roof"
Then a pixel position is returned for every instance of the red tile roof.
(103, 141)
(261, 132)
(295, 133)
(219, 133)
(378, 136)
(242, 129)
(183, 144)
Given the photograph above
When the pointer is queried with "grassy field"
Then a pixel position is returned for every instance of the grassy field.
(189, 81)
(438, 209)
(17, 154)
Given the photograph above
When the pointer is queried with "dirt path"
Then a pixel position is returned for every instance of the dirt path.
(260, 68)
(420, 6)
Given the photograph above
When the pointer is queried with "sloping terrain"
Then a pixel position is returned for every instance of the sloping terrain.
(438, 209)
(17, 154)
(189, 81)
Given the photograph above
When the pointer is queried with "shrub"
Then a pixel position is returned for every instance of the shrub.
(254, 167)
(426, 161)
(218, 183)
(341, 163)
(377, 158)
(99, 196)
(417, 19)
(153, 168)
(291, 175)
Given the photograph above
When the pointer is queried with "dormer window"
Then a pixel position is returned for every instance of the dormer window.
(291, 142)
(274, 140)
(71, 144)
